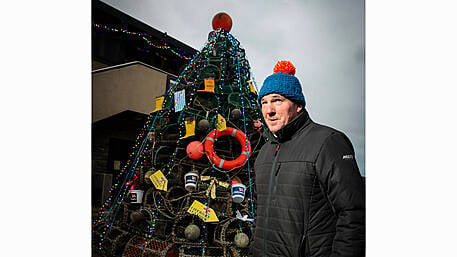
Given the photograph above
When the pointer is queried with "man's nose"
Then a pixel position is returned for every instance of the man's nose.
(270, 109)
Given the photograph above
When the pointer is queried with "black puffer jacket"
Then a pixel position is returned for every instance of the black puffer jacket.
(310, 194)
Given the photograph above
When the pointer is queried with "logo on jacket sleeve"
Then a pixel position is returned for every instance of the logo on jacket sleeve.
(348, 157)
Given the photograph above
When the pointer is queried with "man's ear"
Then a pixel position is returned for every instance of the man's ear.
(299, 108)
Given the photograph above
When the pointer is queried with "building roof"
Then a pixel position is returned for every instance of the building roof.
(118, 38)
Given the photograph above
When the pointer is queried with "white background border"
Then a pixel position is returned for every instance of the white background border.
(410, 131)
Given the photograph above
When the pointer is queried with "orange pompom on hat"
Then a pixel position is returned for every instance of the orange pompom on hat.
(283, 82)
(284, 67)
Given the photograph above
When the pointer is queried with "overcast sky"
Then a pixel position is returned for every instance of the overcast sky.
(324, 39)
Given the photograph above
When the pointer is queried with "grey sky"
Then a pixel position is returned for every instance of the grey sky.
(324, 39)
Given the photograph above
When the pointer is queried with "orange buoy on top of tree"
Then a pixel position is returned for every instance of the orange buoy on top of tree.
(222, 21)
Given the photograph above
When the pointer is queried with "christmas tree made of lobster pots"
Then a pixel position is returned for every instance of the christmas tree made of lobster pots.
(188, 187)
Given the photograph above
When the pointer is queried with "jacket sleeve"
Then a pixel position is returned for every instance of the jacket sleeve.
(341, 180)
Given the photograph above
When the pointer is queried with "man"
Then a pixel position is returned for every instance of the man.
(310, 194)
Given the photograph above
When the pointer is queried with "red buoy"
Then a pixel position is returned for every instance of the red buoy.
(222, 20)
(195, 150)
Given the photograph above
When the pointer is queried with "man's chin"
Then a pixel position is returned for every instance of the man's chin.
(274, 128)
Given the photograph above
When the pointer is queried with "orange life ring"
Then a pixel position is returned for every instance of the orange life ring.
(221, 163)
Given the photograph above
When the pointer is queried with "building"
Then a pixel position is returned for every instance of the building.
(132, 64)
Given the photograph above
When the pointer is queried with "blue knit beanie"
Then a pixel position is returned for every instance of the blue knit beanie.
(283, 82)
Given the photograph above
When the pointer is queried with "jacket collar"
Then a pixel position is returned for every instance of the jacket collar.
(288, 131)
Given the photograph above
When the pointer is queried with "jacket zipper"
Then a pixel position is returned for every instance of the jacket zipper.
(267, 210)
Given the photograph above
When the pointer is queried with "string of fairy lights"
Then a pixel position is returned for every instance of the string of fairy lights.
(231, 47)
(245, 129)
(113, 205)
(144, 36)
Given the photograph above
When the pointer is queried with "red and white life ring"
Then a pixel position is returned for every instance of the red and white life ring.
(221, 163)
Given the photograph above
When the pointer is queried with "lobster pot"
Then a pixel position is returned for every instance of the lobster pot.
(135, 196)
(178, 230)
(113, 242)
(141, 247)
(190, 181)
(233, 228)
(238, 192)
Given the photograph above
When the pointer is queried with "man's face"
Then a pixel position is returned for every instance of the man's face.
(278, 111)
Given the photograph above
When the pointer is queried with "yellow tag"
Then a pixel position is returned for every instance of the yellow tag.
(220, 123)
(159, 180)
(190, 127)
(251, 87)
(159, 102)
(204, 212)
(209, 86)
